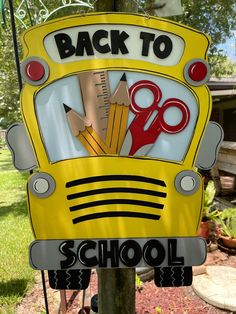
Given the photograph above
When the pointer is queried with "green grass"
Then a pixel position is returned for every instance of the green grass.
(16, 276)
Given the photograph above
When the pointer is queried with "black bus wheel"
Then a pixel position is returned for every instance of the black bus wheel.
(173, 276)
(74, 279)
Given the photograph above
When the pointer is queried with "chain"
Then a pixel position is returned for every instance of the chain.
(92, 6)
(147, 15)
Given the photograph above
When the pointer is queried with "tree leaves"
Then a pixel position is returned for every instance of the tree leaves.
(214, 17)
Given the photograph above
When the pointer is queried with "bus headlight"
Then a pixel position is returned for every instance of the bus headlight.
(41, 185)
(187, 182)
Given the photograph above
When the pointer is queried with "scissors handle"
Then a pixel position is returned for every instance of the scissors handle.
(160, 119)
(135, 108)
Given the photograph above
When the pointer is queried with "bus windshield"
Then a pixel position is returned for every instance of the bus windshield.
(77, 92)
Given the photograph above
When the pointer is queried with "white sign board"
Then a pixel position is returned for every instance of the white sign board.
(168, 7)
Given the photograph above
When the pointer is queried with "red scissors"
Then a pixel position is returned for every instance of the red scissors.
(140, 137)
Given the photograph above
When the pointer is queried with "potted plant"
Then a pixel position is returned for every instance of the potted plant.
(208, 227)
(227, 220)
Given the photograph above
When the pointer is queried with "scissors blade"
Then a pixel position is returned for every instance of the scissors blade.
(142, 151)
(125, 149)
(127, 144)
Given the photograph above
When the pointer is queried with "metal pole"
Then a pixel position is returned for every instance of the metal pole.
(15, 45)
(17, 61)
(45, 292)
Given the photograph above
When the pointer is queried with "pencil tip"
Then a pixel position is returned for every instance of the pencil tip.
(67, 108)
(123, 78)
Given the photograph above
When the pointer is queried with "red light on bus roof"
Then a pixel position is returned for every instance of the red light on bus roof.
(34, 70)
(198, 71)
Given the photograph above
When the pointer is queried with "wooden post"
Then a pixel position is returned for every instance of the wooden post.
(63, 304)
(116, 291)
(116, 287)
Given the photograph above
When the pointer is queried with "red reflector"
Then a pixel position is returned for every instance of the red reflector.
(197, 71)
(34, 70)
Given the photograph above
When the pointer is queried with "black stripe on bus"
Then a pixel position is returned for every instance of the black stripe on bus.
(116, 190)
(116, 201)
(114, 178)
(115, 214)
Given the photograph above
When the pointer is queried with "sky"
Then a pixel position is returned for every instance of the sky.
(229, 47)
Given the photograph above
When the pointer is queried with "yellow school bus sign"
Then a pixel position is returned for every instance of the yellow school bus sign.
(115, 106)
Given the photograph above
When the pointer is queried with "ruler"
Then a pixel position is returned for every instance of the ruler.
(95, 91)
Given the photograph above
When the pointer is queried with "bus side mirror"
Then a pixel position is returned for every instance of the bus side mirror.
(21, 150)
(210, 145)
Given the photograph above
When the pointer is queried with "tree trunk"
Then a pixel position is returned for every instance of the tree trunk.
(116, 287)
(126, 6)
(116, 290)
(105, 5)
(116, 5)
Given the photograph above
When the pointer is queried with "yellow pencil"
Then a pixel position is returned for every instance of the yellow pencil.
(118, 116)
(81, 128)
